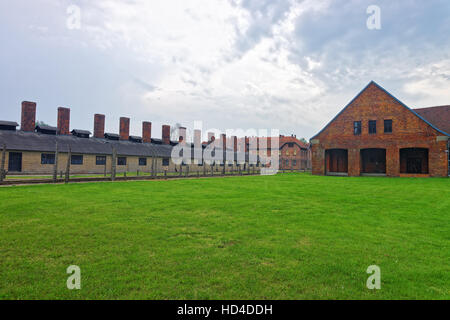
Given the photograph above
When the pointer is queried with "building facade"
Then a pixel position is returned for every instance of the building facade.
(376, 134)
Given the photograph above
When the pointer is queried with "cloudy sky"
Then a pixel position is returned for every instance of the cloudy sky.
(286, 64)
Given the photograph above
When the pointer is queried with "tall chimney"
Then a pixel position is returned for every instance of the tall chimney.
(99, 126)
(63, 121)
(146, 132)
(197, 137)
(235, 142)
(124, 128)
(182, 134)
(166, 134)
(224, 141)
(28, 121)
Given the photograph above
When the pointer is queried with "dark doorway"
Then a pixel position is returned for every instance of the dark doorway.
(15, 162)
(336, 161)
(414, 160)
(373, 161)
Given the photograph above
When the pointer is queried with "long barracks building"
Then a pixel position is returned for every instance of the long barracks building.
(31, 150)
(376, 134)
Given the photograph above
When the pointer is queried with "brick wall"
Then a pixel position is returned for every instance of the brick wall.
(409, 131)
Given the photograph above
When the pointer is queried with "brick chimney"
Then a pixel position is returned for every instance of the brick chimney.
(146, 132)
(166, 134)
(99, 126)
(28, 121)
(224, 141)
(182, 134)
(197, 137)
(63, 121)
(235, 142)
(124, 128)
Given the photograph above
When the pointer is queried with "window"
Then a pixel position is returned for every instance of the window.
(387, 126)
(165, 162)
(76, 160)
(121, 161)
(47, 158)
(230, 164)
(357, 128)
(294, 162)
(142, 161)
(286, 162)
(290, 144)
(100, 160)
(372, 126)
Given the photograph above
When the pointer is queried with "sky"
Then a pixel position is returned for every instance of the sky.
(290, 65)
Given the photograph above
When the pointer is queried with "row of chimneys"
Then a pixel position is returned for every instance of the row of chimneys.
(28, 123)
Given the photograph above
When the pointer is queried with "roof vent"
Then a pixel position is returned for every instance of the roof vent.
(46, 130)
(8, 125)
(157, 141)
(112, 136)
(135, 139)
(81, 133)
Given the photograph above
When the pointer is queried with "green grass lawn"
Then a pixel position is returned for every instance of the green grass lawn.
(291, 236)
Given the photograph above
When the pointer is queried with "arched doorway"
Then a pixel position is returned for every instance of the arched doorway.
(373, 161)
(336, 161)
(414, 160)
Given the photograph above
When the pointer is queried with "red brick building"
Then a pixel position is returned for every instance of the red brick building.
(294, 154)
(376, 134)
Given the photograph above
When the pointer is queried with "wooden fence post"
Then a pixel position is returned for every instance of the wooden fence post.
(69, 160)
(113, 164)
(55, 165)
(2, 169)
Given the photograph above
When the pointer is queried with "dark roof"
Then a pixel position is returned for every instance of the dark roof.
(438, 116)
(8, 123)
(114, 136)
(33, 141)
(389, 94)
(46, 128)
(79, 131)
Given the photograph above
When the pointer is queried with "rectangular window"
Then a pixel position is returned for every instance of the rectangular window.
(294, 162)
(100, 160)
(142, 161)
(387, 126)
(287, 163)
(121, 161)
(165, 162)
(290, 144)
(76, 160)
(47, 158)
(357, 128)
(372, 126)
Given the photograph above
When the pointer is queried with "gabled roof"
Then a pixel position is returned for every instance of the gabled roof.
(8, 123)
(79, 131)
(438, 116)
(389, 94)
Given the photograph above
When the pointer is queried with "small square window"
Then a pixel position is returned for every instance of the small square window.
(77, 160)
(47, 158)
(372, 126)
(100, 160)
(142, 161)
(165, 162)
(387, 126)
(121, 161)
(357, 128)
